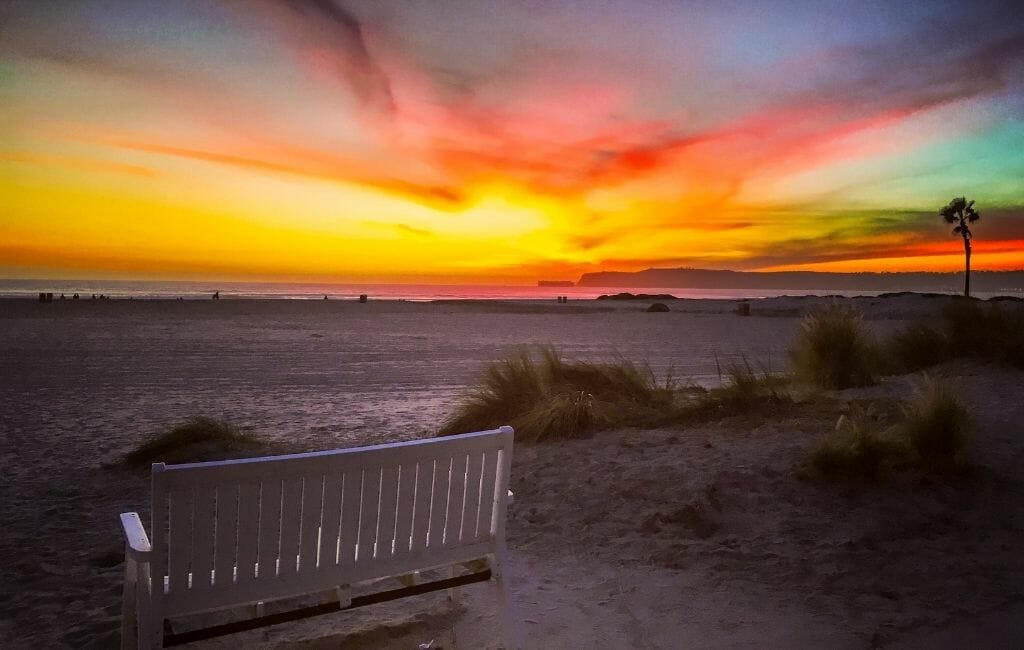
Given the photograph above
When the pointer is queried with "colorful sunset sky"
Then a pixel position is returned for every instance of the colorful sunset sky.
(505, 141)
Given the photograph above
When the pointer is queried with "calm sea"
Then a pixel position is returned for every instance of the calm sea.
(170, 290)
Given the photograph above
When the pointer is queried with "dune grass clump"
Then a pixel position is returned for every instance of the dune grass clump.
(855, 450)
(833, 349)
(969, 329)
(198, 439)
(915, 347)
(745, 387)
(987, 331)
(544, 396)
(937, 426)
(744, 391)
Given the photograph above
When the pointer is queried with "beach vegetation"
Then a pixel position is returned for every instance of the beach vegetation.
(544, 396)
(854, 450)
(968, 329)
(744, 391)
(744, 386)
(975, 329)
(916, 346)
(196, 440)
(833, 349)
(937, 425)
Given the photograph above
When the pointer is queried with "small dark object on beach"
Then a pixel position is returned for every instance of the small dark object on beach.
(658, 307)
(625, 295)
(216, 295)
(325, 297)
(743, 309)
(362, 297)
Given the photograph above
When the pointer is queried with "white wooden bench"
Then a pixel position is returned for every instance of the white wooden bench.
(242, 532)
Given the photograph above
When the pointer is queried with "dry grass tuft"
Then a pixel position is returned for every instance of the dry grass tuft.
(916, 346)
(833, 349)
(545, 397)
(199, 439)
(855, 450)
(969, 329)
(937, 426)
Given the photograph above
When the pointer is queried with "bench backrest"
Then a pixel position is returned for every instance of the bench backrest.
(231, 532)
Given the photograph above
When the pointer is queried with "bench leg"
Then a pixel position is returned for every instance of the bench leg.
(509, 630)
(151, 620)
(129, 614)
(141, 626)
(451, 592)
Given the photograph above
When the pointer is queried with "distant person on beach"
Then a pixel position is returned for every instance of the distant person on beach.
(216, 295)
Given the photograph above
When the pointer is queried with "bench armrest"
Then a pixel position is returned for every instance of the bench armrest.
(135, 536)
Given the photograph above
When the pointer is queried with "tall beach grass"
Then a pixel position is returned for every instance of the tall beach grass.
(833, 349)
(967, 328)
(937, 425)
(544, 396)
(195, 440)
(855, 449)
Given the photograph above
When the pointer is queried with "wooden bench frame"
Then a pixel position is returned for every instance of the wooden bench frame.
(301, 524)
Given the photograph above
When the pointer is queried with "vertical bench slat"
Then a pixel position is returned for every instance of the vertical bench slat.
(203, 513)
(352, 498)
(439, 502)
(403, 517)
(248, 530)
(471, 512)
(159, 568)
(226, 534)
(487, 495)
(456, 501)
(369, 514)
(291, 515)
(331, 518)
(421, 510)
(500, 500)
(270, 527)
(312, 513)
(179, 540)
(388, 506)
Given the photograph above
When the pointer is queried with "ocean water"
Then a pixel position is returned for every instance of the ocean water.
(171, 290)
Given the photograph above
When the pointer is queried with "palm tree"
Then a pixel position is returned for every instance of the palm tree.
(961, 212)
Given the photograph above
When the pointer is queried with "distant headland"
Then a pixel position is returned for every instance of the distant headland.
(990, 281)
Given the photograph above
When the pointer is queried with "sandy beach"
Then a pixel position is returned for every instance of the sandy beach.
(700, 536)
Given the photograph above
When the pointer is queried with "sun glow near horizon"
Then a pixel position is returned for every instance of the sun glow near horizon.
(255, 140)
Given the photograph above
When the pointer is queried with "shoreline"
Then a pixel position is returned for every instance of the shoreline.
(609, 297)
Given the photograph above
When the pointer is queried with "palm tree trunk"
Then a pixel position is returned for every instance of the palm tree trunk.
(967, 275)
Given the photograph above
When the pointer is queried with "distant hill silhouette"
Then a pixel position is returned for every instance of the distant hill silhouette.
(989, 281)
